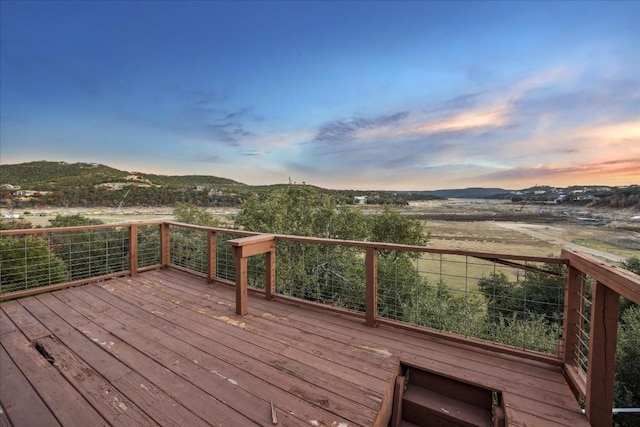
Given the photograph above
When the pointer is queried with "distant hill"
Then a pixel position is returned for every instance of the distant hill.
(46, 176)
(189, 180)
(466, 193)
(45, 183)
(42, 175)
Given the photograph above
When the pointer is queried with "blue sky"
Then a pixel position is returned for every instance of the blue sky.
(367, 95)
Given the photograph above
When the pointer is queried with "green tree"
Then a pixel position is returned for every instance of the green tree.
(526, 313)
(90, 253)
(393, 227)
(334, 274)
(302, 211)
(316, 272)
(537, 293)
(15, 224)
(27, 262)
(73, 221)
(632, 264)
(191, 214)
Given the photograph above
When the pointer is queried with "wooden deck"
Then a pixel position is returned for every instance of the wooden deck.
(165, 348)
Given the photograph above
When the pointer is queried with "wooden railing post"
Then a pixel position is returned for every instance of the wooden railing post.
(602, 355)
(572, 318)
(372, 286)
(241, 281)
(211, 255)
(133, 250)
(165, 255)
(573, 323)
(270, 274)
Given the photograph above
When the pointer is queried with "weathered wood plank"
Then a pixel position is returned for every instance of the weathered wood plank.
(162, 408)
(321, 367)
(20, 400)
(4, 419)
(552, 413)
(338, 329)
(194, 365)
(268, 366)
(206, 406)
(172, 330)
(271, 328)
(6, 325)
(341, 329)
(68, 406)
(30, 327)
(533, 380)
(91, 352)
(114, 406)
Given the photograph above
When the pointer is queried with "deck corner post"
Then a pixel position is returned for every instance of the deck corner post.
(165, 255)
(133, 249)
(270, 274)
(572, 322)
(241, 281)
(211, 256)
(602, 355)
(371, 267)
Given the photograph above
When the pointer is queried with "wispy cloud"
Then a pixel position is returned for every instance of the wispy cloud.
(347, 130)
(568, 174)
(255, 153)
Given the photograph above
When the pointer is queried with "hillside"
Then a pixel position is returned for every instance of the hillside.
(45, 175)
(43, 183)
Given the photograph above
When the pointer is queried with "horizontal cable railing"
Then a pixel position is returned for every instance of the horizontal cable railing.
(202, 250)
(35, 260)
(518, 305)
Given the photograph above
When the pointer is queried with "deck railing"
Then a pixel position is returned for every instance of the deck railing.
(450, 294)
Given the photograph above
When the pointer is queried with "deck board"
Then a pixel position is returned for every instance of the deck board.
(169, 347)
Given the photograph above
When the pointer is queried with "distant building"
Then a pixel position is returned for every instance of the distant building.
(360, 200)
